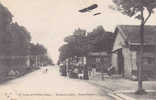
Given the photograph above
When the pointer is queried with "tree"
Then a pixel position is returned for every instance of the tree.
(77, 42)
(14, 40)
(136, 9)
(5, 20)
(15, 43)
(20, 39)
(5, 17)
(80, 43)
(100, 40)
(13, 37)
(76, 45)
(39, 51)
(65, 52)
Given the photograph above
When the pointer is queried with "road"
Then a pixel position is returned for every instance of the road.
(39, 85)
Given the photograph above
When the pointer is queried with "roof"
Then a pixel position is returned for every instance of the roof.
(132, 34)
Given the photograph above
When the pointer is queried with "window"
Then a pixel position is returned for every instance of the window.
(148, 60)
(97, 60)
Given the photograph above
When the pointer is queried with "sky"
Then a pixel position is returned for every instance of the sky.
(49, 21)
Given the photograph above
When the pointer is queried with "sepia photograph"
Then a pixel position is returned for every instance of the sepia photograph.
(77, 49)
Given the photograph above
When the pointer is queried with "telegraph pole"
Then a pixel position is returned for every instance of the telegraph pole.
(36, 62)
(140, 67)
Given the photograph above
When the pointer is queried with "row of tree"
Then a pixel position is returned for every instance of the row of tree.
(15, 40)
(80, 43)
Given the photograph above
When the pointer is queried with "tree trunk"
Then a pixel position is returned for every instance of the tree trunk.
(141, 56)
(140, 67)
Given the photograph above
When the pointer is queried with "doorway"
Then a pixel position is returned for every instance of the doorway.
(120, 63)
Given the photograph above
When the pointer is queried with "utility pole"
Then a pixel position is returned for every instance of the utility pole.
(101, 66)
(102, 69)
(86, 77)
(140, 67)
(28, 61)
(28, 56)
(36, 62)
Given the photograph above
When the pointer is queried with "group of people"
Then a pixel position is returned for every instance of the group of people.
(108, 70)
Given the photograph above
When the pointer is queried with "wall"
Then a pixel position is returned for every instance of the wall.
(129, 57)
(99, 62)
(129, 61)
(149, 62)
(118, 44)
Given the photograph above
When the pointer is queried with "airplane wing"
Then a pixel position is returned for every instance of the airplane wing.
(92, 7)
(88, 8)
(83, 10)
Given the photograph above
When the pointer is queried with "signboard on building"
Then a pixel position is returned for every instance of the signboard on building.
(98, 54)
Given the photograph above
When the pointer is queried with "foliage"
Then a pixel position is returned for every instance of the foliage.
(15, 41)
(100, 40)
(5, 17)
(37, 49)
(133, 8)
(19, 40)
(75, 45)
(80, 43)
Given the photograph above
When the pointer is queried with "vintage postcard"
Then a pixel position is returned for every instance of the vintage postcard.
(77, 50)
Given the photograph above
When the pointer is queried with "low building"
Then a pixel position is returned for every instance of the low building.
(99, 61)
(125, 56)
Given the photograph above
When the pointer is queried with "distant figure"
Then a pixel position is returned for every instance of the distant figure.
(46, 70)
(110, 70)
(80, 75)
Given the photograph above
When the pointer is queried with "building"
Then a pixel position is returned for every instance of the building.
(125, 56)
(99, 61)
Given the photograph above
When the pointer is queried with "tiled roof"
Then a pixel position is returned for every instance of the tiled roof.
(132, 33)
